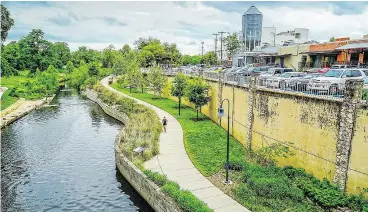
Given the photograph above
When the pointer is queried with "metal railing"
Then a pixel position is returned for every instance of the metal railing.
(314, 88)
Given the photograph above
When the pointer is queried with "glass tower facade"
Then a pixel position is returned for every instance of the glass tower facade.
(252, 28)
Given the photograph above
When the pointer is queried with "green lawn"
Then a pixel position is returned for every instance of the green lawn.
(204, 140)
(7, 100)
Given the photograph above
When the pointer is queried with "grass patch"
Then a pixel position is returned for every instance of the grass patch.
(257, 187)
(7, 100)
(185, 199)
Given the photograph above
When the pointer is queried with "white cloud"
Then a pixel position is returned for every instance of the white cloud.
(98, 24)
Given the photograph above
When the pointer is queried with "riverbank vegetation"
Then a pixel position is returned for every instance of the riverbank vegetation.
(142, 130)
(186, 200)
(259, 185)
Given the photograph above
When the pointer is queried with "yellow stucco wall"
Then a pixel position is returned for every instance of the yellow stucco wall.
(359, 154)
(310, 125)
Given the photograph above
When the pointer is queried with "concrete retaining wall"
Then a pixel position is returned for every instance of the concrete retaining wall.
(158, 200)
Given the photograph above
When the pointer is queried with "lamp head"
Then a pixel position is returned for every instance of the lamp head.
(221, 112)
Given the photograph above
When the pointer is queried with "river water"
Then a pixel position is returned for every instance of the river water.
(61, 158)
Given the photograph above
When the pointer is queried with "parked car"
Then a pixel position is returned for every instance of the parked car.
(252, 71)
(324, 70)
(313, 70)
(271, 73)
(365, 86)
(338, 66)
(301, 84)
(333, 82)
(283, 80)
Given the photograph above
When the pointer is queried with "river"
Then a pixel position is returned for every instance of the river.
(61, 158)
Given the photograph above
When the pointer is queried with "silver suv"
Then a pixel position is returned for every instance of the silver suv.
(333, 82)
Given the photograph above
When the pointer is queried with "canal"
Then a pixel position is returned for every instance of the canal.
(61, 158)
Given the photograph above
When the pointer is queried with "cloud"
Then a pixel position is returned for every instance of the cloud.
(98, 24)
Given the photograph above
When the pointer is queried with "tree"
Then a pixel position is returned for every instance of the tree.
(210, 58)
(61, 53)
(232, 44)
(6, 23)
(190, 60)
(35, 52)
(108, 56)
(6, 68)
(197, 93)
(157, 79)
(154, 52)
(10, 53)
(172, 53)
(142, 42)
(126, 48)
(178, 88)
(92, 70)
(85, 54)
(69, 66)
(332, 39)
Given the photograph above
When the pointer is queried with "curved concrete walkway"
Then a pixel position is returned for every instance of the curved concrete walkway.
(174, 162)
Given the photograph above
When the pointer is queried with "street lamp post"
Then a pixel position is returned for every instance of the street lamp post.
(220, 114)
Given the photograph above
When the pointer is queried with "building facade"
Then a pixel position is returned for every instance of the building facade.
(252, 28)
(296, 36)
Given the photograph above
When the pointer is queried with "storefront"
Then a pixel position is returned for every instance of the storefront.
(357, 53)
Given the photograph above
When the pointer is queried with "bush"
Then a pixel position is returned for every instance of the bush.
(275, 188)
(186, 200)
(157, 178)
(324, 192)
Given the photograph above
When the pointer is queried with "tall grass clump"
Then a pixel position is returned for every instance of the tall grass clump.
(142, 130)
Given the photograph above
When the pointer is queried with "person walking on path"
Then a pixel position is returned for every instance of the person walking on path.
(164, 123)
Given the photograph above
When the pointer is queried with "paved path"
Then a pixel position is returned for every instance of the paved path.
(174, 162)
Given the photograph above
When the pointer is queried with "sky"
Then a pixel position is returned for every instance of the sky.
(98, 24)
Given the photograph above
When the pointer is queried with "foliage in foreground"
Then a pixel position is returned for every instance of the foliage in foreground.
(143, 128)
(260, 188)
(186, 200)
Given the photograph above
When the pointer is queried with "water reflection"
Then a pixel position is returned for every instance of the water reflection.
(62, 158)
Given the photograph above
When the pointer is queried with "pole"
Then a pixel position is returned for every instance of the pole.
(222, 32)
(202, 47)
(216, 34)
(227, 181)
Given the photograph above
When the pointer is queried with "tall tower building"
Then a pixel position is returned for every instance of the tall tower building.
(252, 28)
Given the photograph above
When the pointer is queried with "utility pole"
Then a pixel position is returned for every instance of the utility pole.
(216, 34)
(222, 32)
(202, 47)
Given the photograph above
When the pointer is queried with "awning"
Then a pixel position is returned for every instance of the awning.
(354, 46)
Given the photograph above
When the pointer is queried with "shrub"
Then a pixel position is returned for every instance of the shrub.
(157, 178)
(186, 200)
(324, 192)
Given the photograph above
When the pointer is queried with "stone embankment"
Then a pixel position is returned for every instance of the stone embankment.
(21, 108)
